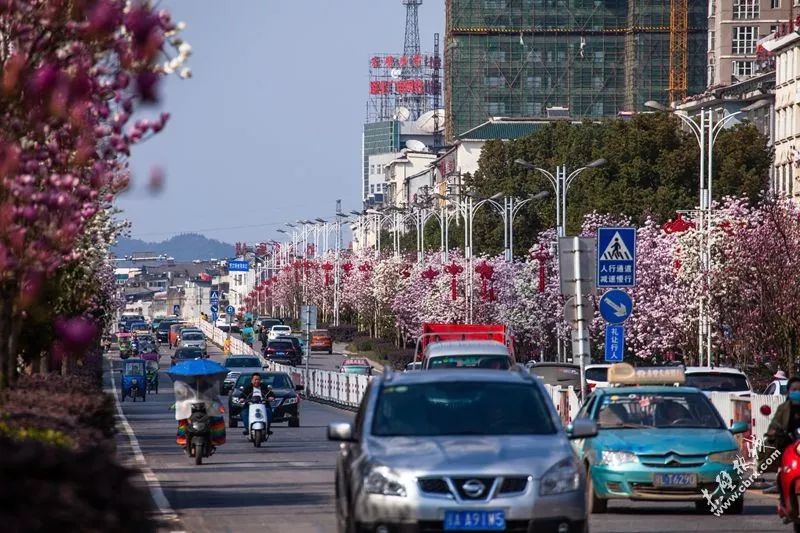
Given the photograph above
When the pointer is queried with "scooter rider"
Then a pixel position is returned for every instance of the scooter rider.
(247, 393)
(783, 427)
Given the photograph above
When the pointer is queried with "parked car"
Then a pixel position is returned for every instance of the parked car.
(435, 451)
(718, 379)
(239, 365)
(285, 406)
(283, 351)
(278, 330)
(321, 341)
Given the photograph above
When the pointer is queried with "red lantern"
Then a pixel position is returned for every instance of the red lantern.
(327, 266)
(541, 255)
(430, 273)
(486, 272)
(454, 269)
(678, 225)
(347, 267)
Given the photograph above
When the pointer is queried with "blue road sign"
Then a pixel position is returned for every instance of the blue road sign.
(214, 297)
(214, 308)
(176, 309)
(214, 316)
(616, 257)
(238, 266)
(231, 310)
(615, 343)
(615, 306)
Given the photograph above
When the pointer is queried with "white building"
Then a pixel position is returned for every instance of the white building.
(786, 50)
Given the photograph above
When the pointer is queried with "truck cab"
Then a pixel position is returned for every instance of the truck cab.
(465, 346)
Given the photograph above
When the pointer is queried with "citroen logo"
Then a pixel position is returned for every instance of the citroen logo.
(473, 488)
(673, 459)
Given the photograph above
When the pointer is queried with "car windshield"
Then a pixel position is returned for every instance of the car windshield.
(281, 328)
(285, 345)
(597, 374)
(565, 376)
(276, 381)
(164, 326)
(356, 369)
(717, 381)
(657, 410)
(242, 362)
(461, 408)
(133, 369)
(192, 336)
(499, 362)
(784, 388)
(139, 325)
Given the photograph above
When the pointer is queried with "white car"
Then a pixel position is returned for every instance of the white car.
(718, 379)
(597, 376)
(279, 330)
(777, 388)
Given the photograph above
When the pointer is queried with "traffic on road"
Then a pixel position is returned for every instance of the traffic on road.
(439, 447)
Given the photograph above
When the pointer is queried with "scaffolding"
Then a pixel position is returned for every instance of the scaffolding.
(517, 58)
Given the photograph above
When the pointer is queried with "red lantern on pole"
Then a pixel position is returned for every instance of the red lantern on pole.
(486, 272)
(541, 255)
(347, 267)
(678, 224)
(454, 269)
(327, 266)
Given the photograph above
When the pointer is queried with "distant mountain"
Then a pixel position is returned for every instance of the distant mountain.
(187, 247)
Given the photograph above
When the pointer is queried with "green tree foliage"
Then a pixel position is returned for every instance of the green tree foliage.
(652, 170)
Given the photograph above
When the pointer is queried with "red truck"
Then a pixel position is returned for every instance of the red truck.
(465, 345)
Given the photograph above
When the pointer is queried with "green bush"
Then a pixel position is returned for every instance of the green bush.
(363, 344)
(343, 332)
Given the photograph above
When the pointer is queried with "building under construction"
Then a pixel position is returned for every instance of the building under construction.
(517, 58)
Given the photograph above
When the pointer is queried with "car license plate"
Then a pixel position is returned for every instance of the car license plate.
(675, 480)
(280, 353)
(474, 521)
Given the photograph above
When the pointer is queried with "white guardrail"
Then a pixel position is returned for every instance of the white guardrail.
(347, 390)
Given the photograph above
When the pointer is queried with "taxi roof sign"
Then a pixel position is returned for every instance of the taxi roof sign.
(625, 374)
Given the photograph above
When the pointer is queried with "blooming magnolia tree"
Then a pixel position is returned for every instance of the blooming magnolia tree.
(73, 74)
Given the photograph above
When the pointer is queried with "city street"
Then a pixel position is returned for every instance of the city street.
(288, 484)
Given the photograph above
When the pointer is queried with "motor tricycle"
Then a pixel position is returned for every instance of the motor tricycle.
(151, 370)
(125, 349)
(198, 409)
(133, 380)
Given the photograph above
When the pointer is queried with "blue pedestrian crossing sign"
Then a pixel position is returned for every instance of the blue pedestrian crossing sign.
(615, 344)
(615, 306)
(616, 257)
(214, 297)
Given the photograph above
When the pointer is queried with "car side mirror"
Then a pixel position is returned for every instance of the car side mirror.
(298, 387)
(341, 431)
(582, 428)
(739, 427)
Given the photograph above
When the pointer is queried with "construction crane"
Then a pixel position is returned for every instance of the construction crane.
(678, 49)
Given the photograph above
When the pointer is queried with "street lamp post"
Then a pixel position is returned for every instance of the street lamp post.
(705, 133)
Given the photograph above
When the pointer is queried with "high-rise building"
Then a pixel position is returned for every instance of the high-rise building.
(734, 26)
(517, 58)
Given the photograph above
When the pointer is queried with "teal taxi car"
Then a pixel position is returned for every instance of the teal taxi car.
(656, 441)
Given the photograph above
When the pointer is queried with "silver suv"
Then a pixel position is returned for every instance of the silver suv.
(459, 450)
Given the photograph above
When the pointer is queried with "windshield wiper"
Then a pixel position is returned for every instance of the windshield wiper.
(624, 426)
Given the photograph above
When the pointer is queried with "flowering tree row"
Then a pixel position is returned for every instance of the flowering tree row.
(73, 76)
(752, 286)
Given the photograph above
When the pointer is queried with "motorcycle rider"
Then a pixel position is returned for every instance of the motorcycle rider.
(266, 394)
(782, 430)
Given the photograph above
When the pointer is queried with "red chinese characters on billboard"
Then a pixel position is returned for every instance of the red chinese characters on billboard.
(414, 86)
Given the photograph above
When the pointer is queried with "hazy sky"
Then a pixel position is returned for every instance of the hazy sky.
(268, 129)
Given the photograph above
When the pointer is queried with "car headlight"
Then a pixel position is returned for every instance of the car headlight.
(290, 401)
(562, 477)
(382, 480)
(611, 458)
(724, 457)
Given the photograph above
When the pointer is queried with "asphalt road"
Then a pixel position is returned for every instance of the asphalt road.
(319, 360)
(287, 486)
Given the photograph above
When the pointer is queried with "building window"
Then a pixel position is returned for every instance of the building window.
(745, 9)
(535, 82)
(712, 41)
(372, 188)
(533, 109)
(744, 39)
(497, 108)
(776, 4)
(743, 69)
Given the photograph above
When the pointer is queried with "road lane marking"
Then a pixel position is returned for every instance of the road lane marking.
(166, 511)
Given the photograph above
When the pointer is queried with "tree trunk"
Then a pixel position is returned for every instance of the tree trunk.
(13, 348)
